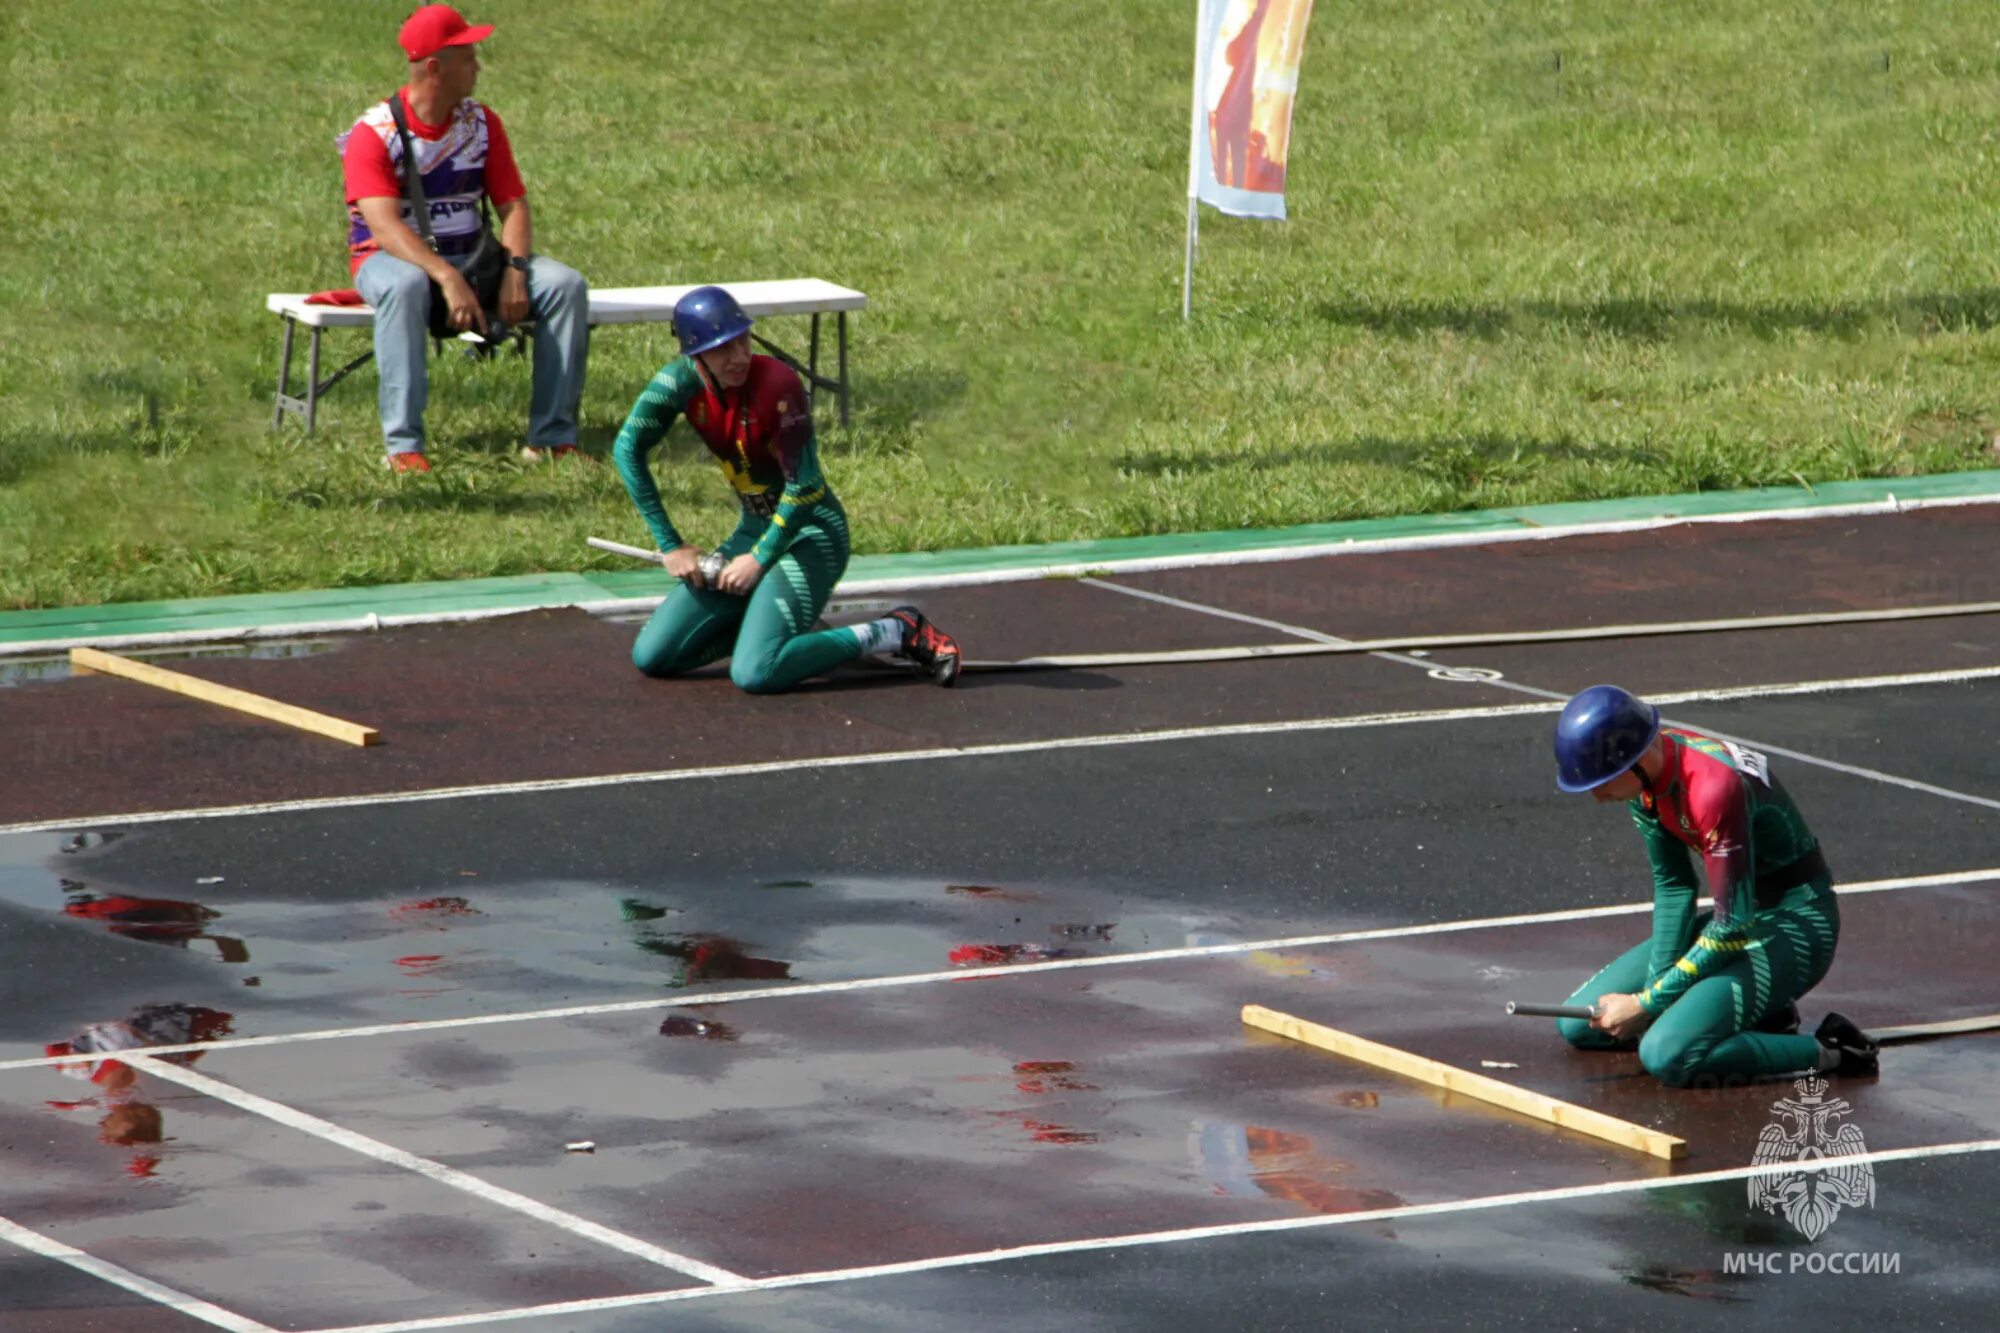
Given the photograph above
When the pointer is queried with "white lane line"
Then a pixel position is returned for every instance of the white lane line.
(1220, 613)
(791, 766)
(103, 1269)
(1494, 639)
(1221, 731)
(1478, 1204)
(1832, 686)
(452, 1177)
(700, 998)
(372, 620)
(1425, 664)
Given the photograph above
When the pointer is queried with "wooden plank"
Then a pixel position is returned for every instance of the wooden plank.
(90, 659)
(1564, 1114)
(1948, 1028)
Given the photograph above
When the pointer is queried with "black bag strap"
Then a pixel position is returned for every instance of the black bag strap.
(413, 183)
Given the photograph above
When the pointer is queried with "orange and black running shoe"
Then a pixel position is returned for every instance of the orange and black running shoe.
(1858, 1051)
(930, 651)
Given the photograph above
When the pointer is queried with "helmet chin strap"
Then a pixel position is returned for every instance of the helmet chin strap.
(1645, 779)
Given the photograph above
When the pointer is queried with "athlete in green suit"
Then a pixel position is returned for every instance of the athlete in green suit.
(1712, 996)
(790, 547)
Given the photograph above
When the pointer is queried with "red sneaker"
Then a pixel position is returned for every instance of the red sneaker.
(931, 652)
(411, 462)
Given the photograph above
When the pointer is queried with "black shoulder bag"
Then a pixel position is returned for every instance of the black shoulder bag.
(482, 269)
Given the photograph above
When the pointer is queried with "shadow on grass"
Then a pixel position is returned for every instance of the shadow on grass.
(431, 499)
(889, 408)
(130, 414)
(1651, 319)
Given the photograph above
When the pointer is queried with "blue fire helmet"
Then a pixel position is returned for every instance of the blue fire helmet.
(1602, 732)
(706, 318)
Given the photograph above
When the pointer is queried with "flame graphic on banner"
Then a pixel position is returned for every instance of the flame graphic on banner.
(1250, 75)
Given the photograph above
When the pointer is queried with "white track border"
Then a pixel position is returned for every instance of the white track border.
(688, 999)
(1342, 723)
(1476, 1204)
(1020, 574)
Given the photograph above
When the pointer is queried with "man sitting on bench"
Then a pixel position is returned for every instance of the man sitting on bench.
(462, 154)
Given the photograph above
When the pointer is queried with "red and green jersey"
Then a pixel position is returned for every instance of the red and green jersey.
(761, 433)
(1718, 800)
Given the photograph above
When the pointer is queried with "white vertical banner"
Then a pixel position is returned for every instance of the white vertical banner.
(1246, 76)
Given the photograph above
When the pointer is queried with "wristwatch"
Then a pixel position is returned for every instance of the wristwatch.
(519, 262)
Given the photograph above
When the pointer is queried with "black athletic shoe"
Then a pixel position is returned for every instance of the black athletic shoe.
(1857, 1050)
(931, 652)
(1782, 1022)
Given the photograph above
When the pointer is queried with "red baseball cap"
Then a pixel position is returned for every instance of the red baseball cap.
(434, 27)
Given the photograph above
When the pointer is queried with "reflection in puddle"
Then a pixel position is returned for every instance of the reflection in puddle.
(423, 967)
(989, 892)
(84, 842)
(1695, 1283)
(408, 944)
(1046, 1133)
(165, 921)
(1251, 1161)
(32, 670)
(996, 955)
(712, 958)
(679, 1025)
(1042, 1076)
(128, 1118)
(1043, 1131)
(999, 955)
(438, 913)
(433, 913)
(632, 909)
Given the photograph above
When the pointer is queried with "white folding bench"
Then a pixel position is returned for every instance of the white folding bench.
(608, 305)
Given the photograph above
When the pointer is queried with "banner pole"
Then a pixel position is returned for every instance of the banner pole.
(1194, 164)
(1187, 270)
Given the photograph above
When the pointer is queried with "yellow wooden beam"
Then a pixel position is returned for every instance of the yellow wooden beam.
(1568, 1116)
(86, 660)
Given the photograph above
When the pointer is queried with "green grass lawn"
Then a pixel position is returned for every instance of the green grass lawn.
(1713, 245)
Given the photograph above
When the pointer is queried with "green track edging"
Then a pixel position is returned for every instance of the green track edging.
(226, 616)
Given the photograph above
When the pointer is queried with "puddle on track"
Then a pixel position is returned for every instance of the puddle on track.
(42, 670)
(106, 920)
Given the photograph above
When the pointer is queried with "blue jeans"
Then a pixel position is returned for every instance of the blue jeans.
(401, 295)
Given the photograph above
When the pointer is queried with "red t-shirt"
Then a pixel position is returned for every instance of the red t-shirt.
(370, 174)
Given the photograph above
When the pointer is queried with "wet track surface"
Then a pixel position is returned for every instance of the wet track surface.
(513, 902)
(789, 1134)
